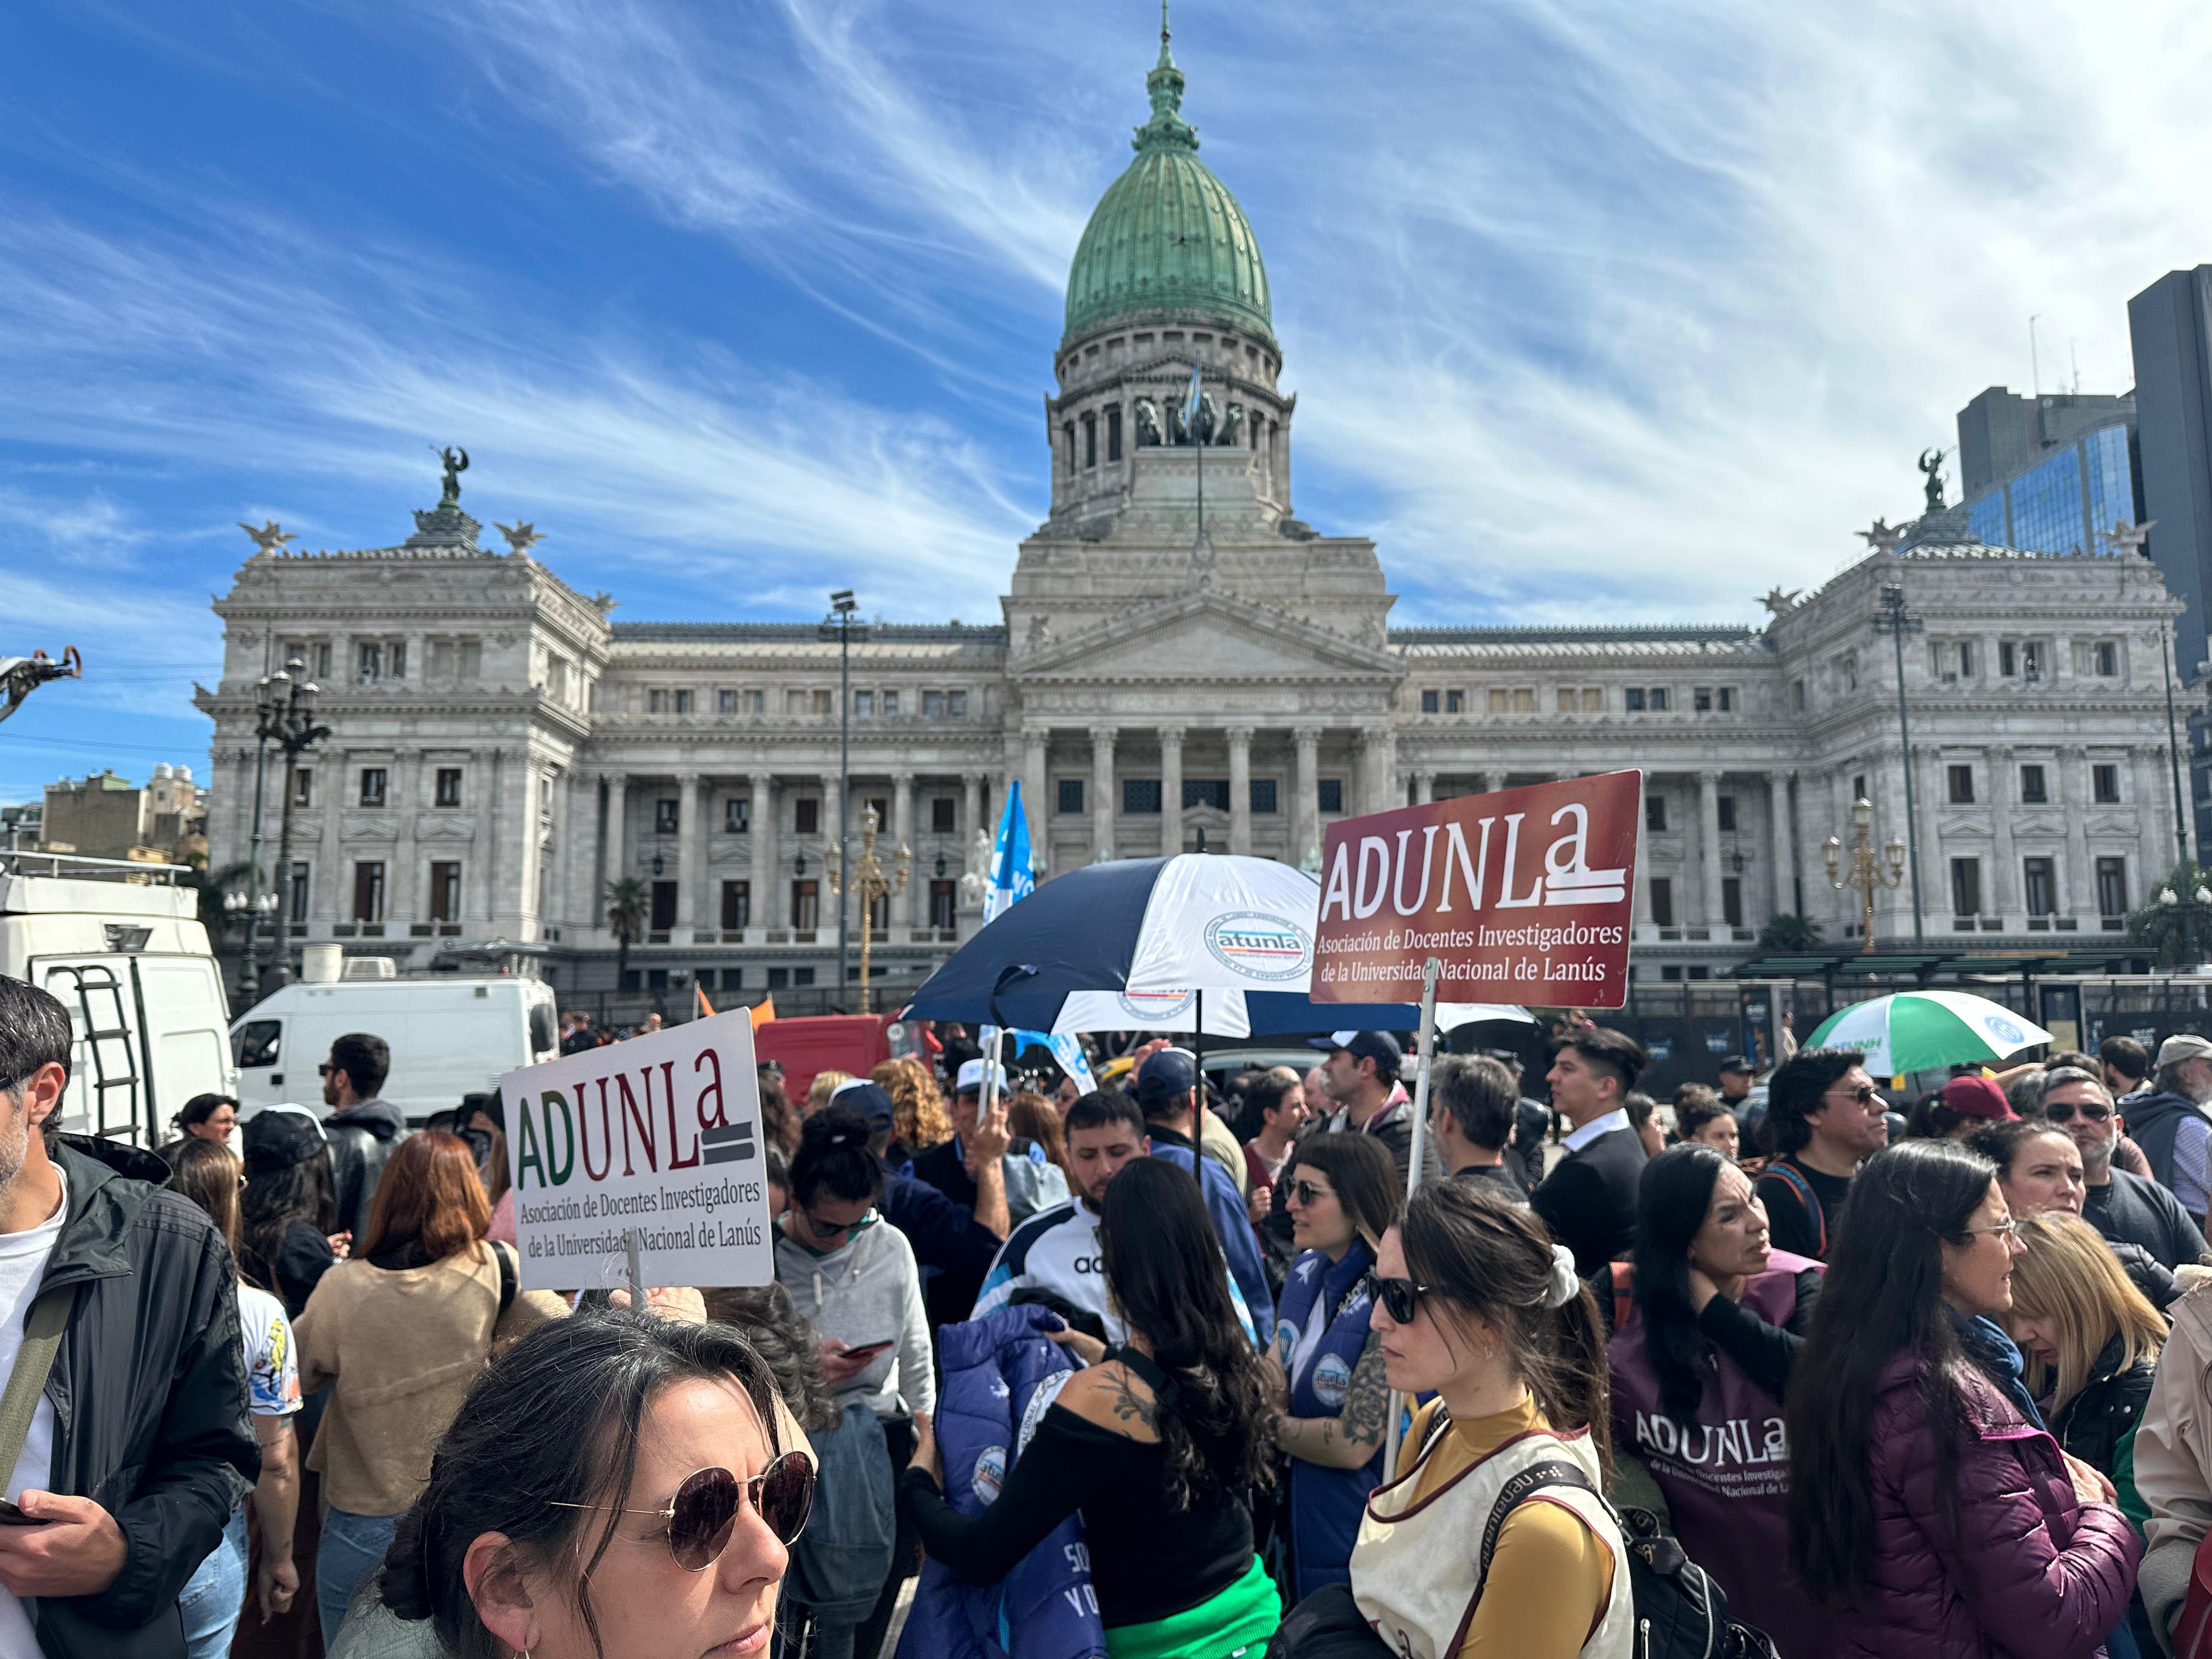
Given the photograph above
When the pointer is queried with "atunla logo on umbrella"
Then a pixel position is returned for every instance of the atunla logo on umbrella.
(1260, 945)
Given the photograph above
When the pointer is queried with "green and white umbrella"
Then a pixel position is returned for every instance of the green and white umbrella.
(1924, 1031)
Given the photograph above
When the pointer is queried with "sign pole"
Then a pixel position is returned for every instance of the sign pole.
(1430, 971)
(636, 1269)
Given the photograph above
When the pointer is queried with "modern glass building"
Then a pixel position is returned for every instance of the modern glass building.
(2049, 475)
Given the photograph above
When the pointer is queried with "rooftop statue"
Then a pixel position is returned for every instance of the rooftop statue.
(457, 462)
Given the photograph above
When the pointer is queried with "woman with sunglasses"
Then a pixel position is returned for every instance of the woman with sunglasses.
(1325, 1366)
(2039, 1167)
(616, 1487)
(1699, 1368)
(1475, 1304)
(854, 1278)
(1931, 1513)
(1159, 1444)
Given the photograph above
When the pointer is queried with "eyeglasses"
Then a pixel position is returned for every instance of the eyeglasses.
(2008, 1228)
(2059, 1111)
(822, 1228)
(704, 1511)
(1305, 1192)
(1866, 1094)
(1400, 1297)
(324, 1069)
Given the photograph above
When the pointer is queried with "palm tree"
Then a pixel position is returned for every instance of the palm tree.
(1789, 934)
(628, 906)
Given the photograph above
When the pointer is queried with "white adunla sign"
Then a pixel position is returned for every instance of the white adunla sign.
(658, 1137)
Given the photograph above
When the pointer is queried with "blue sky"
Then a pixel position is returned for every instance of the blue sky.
(1597, 310)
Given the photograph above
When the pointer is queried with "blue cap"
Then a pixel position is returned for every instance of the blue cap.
(1378, 1046)
(1170, 1074)
(871, 1099)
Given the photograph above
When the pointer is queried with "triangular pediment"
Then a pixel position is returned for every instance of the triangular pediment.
(1207, 635)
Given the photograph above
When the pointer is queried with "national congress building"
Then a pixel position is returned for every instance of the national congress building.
(503, 752)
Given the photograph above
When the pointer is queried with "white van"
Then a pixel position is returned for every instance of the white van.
(122, 946)
(449, 1036)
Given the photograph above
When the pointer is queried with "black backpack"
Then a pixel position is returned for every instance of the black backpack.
(1680, 1613)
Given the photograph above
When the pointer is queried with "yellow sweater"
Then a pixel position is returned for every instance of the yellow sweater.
(1546, 1560)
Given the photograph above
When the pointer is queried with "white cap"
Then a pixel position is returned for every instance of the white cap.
(970, 1079)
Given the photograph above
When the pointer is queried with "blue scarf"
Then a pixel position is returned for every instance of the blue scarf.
(1994, 1355)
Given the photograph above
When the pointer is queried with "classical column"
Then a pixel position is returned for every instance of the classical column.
(2078, 895)
(2154, 819)
(1378, 766)
(900, 835)
(1034, 740)
(1777, 823)
(1170, 790)
(1101, 790)
(2002, 897)
(1305, 812)
(1425, 786)
(333, 770)
(1840, 828)
(972, 810)
(1709, 849)
(618, 835)
(1239, 788)
(401, 881)
(766, 911)
(691, 852)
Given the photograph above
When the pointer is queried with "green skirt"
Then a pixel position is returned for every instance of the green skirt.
(1237, 1620)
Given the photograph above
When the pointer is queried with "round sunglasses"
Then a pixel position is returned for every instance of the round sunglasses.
(704, 1512)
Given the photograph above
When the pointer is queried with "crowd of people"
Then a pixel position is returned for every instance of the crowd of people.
(1174, 1366)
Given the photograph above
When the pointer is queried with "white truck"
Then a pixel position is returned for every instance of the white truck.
(449, 1035)
(121, 945)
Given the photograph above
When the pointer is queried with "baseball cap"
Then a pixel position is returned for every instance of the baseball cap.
(1735, 1063)
(871, 1098)
(1378, 1046)
(1169, 1074)
(278, 1137)
(1977, 1097)
(2183, 1045)
(969, 1078)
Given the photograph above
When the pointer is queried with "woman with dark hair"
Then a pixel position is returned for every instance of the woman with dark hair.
(2039, 1169)
(1702, 1116)
(854, 1280)
(648, 1510)
(1325, 1366)
(397, 1332)
(288, 1212)
(206, 1172)
(1159, 1444)
(1930, 1512)
(1475, 1304)
(1700, 1370)
(204, 1117)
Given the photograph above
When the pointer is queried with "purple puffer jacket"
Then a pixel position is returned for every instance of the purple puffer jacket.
(2035, 1573)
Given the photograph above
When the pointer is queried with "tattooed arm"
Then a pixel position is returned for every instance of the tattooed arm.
(1355, 1435)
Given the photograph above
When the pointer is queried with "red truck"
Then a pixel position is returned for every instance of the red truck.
(857, 1044)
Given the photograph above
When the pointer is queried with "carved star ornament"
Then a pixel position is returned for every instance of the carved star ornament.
(269, 538)
(521, 536)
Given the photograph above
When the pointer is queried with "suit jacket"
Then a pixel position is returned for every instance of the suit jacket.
(1589, 1201)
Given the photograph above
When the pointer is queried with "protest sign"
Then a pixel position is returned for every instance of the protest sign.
(1523, 895)
(659, 1136)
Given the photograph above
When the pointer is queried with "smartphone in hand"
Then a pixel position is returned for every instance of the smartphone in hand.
(10, 1515)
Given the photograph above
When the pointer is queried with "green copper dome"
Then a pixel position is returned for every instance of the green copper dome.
(1168, 241)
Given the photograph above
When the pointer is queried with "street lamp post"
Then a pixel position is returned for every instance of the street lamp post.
(249, 976)
(869, 880)
(1893, 620)
(287, 720)
(842, 605)
(2201, 899)
(1866, 874)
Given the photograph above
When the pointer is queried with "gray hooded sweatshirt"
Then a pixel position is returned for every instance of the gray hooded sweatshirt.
(866, 1290)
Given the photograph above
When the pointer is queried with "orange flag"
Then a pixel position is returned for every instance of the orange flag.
(706, 1008)
(763, 1012)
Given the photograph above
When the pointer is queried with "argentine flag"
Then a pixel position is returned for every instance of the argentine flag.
(1192, 403)
(1012, 880)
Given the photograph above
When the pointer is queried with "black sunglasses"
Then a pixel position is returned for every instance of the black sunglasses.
(704, 1511)
(1400, 1297)
(2058, 1111)
(1305, 1192)
(1866, 1094)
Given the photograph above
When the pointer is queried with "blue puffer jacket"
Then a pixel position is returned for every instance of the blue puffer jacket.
(1000, 1374)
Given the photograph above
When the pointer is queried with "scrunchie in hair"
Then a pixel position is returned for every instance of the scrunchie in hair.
(1565, 1281)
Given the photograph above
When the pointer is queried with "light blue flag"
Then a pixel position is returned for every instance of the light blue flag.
(1192, 403)
(1011, 878)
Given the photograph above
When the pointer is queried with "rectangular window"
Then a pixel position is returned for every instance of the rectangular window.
(303, 785)
(300, 890)
(941, 899)
(1090, 440)
(1701, 700)
(733, 979)
(2042, 886)
(1206, 791)
(667, 816)
(1069, 797)
(2111, 887)
(662, 916)
(752, 703)
(1454, 702)
(737, 905)
(879, 916)
(1966, 660)
(1263, 795)
(1662, 902)
(726, 702)
(1797, 696)
(1566, 699)
(933, 705)
(373, 779)
(806, 816)
(445, 890)
(2032, 789)
(1524, 700)
(864, 704)
(779, 978)
(1113, 449)
(1632, 700)
(2108, 659)
(1965, 887)
(1726, 697)
(881, 807)
(1725, 811)
(369, 658)
(1329, 792)
(399, 659)
(2104, 783)
(891, 702)
(943, 815)
(1732, 901)
(448, 790)
(956, 704)
(1962, 784)
(822, 701)
(796, 702)
(1432, 702)
(1498, 700)
(1140, 796)
(369, 890)
(737, 815)
(805, 976)
(1858, 787)
(1657, 699)
(1592, 700)
(1655, 813)
(806, 905)
(2031, 659)
(2008, 664)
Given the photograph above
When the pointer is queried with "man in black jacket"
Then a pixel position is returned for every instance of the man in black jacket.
(2124, 1207)
(1589, 1200)
(363, 1129)
(140, 1447)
